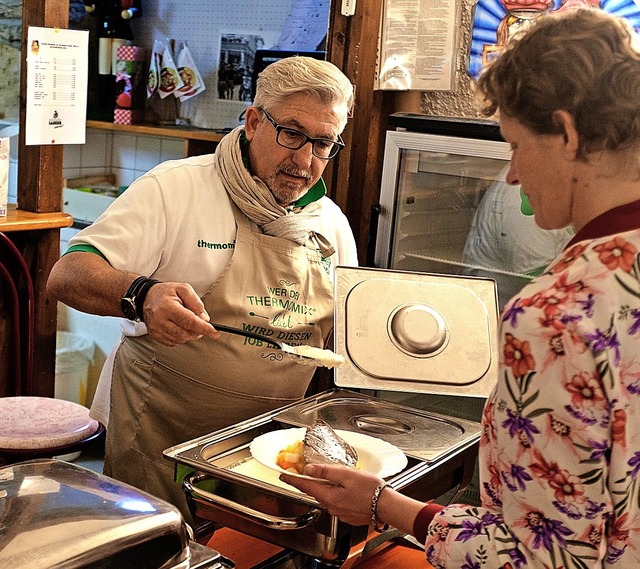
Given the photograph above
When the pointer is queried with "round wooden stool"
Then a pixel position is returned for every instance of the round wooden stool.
(43, 427)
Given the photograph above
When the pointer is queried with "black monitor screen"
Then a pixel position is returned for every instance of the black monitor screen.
(264, 57)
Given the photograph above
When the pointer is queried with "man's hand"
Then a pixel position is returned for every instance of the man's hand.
(174, 314)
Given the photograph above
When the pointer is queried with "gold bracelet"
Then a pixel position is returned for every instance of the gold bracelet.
(374, 507)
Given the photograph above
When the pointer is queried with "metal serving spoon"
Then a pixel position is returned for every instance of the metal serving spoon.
(305, 355)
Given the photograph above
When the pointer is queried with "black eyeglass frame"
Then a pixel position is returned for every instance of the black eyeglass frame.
(337, 144)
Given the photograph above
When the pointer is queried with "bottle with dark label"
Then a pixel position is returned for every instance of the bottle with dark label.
(113, 31)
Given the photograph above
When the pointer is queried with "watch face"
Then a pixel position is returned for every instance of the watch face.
(128, 308)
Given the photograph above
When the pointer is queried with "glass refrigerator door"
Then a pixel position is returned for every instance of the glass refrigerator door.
(446, 208)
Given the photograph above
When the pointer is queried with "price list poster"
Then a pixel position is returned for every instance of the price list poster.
(57, 71)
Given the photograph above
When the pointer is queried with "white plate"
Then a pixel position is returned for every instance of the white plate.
(374, 455)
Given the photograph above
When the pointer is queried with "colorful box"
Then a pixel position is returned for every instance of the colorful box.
(128, 116)
(131, 84)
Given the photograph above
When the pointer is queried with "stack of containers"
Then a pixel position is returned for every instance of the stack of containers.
(131, 84)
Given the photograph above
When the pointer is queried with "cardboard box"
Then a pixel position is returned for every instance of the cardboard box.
(84, 206)
(132, 53)
(131, 84)
(85, 198)
(127, 116)
(4, 175)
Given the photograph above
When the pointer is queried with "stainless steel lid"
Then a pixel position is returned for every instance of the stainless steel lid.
(422, 435)
(416, 332)
(57, 514)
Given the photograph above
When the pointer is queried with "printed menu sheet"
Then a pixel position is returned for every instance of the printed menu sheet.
(57, 71)
(418, 45)
(306, 26)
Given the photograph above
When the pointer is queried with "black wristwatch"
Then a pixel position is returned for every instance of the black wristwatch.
(133, 300)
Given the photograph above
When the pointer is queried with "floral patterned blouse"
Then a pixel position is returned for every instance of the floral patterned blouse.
(560, 449)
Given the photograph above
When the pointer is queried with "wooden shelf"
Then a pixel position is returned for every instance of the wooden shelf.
(20, 220)
(185, 133)
(195, 140)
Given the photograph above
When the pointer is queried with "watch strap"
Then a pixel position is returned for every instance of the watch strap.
(134, 287)
(142, 294)
(132, 300)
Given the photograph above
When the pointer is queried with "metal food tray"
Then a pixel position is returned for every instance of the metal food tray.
(225, 484)
(398, 331)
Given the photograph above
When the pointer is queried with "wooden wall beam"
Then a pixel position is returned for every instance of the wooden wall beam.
(40, 191)
(353, 46)
(39, 167)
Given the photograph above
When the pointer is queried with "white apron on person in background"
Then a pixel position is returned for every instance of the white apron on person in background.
(163, 396)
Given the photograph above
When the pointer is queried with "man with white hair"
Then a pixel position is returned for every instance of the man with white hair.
(245, 237)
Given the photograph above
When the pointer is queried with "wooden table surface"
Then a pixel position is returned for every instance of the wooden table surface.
(396, 556)
(20, 220)
(246, 552)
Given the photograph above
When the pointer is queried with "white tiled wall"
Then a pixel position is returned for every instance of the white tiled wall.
(128, 156)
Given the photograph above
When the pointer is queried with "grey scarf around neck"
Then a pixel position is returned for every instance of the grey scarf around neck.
(257, 202)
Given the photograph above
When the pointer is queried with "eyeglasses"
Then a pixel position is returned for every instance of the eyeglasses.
(293, 139)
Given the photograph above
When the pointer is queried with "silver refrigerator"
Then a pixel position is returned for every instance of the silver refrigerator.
(445, 206)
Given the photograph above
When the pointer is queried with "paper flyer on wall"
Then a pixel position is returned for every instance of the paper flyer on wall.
(418, 45)
(57, 71)
(306, 26)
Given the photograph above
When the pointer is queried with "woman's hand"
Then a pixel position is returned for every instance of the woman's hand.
(348, 498)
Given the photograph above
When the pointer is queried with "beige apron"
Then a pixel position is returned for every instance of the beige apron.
(163, 396)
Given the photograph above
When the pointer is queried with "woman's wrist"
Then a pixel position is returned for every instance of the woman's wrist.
(398, 510)
(374, 508)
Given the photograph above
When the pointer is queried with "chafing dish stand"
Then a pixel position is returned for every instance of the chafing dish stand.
(398, 331)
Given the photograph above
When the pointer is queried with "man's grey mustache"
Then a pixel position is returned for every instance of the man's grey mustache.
(294, 172)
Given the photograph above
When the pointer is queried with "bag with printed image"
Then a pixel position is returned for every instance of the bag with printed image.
(153, 79)
(191, 78)
(169, 78)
